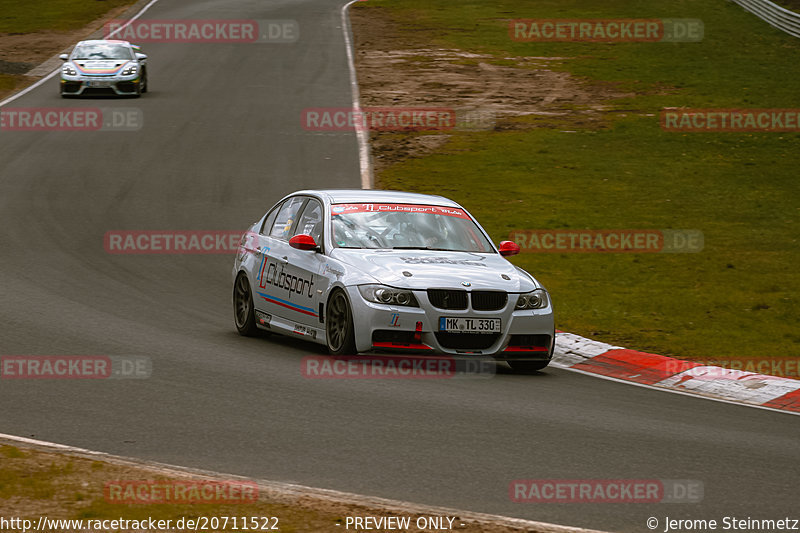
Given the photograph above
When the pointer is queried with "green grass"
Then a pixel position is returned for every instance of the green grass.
(61, 486)
(793, 5)
(25, 16)
(736, 298)
(9, 82)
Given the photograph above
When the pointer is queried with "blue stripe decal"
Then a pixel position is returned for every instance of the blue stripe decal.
(286, 302)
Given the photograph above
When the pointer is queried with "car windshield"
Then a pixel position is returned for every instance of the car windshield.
(406, 227)
(102, 51)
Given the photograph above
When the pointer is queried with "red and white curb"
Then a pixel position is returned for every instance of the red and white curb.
(574, 352)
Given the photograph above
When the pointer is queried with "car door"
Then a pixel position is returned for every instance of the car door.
(270, 277)
(287, 292)
(309, 264)
(261, 247)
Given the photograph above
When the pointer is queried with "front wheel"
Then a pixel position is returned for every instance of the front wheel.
(339, 331)
(243, 308)
(527, 367)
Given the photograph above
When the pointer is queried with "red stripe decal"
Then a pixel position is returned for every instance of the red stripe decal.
(289, 307)
(401, 346)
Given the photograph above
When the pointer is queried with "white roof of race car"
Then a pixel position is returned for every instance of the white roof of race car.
(105, 41)
(343, 196)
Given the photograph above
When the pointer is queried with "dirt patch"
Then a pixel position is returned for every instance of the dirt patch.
(793, 5)
(39, 46)
(487, 92)
(36, 482)
(21, 52)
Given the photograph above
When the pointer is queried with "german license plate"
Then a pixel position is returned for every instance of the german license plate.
(469, 325)
(98, 84)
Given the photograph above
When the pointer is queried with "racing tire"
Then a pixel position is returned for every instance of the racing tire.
(143, 85)
(340, 333)
(243, 309)
(527, 367)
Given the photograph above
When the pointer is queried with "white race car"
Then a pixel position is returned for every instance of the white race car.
(104, 66)
(368, 270)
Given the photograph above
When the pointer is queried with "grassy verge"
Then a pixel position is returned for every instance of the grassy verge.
(27, 16)
(35, 483)
(793, 5)
(737, 297)
(32, 31)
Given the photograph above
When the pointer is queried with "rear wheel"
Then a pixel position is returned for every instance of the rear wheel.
(339, 330)
(527, 367)
(243, 309)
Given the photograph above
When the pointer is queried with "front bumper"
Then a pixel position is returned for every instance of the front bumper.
(119, 85)
(527, 335)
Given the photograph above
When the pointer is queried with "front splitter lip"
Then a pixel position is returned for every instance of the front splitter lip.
(112, 84)
(423, 321)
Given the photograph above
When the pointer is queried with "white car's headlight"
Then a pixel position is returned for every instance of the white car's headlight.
(69, 70)
(381, 294)
(130, 70)
(532, 300)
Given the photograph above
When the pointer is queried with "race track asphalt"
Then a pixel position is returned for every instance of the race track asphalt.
(221, 141)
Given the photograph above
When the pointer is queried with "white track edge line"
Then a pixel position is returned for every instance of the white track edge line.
(290, 489)
(674, 391)
(362, 135)
(29, 88)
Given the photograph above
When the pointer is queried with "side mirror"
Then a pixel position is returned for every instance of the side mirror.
(141, 57)
(63, 57)
(303, 242)
(508, 248)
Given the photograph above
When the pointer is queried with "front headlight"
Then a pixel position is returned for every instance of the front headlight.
(69, 70)
(129, 71)
(381, 294)
(532, 300)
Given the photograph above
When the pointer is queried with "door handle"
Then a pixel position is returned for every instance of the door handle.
(284, 259)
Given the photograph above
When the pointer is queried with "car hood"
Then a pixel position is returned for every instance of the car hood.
(422, 269)
(100, 66)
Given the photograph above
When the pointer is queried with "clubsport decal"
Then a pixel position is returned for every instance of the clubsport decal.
(282, 280)
(441, 261)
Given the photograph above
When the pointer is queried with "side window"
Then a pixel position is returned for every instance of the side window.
(311, 221)
(284, 220)
(269, 221)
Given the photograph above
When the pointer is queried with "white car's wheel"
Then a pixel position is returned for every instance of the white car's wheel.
(339, 330)
(243, 308)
